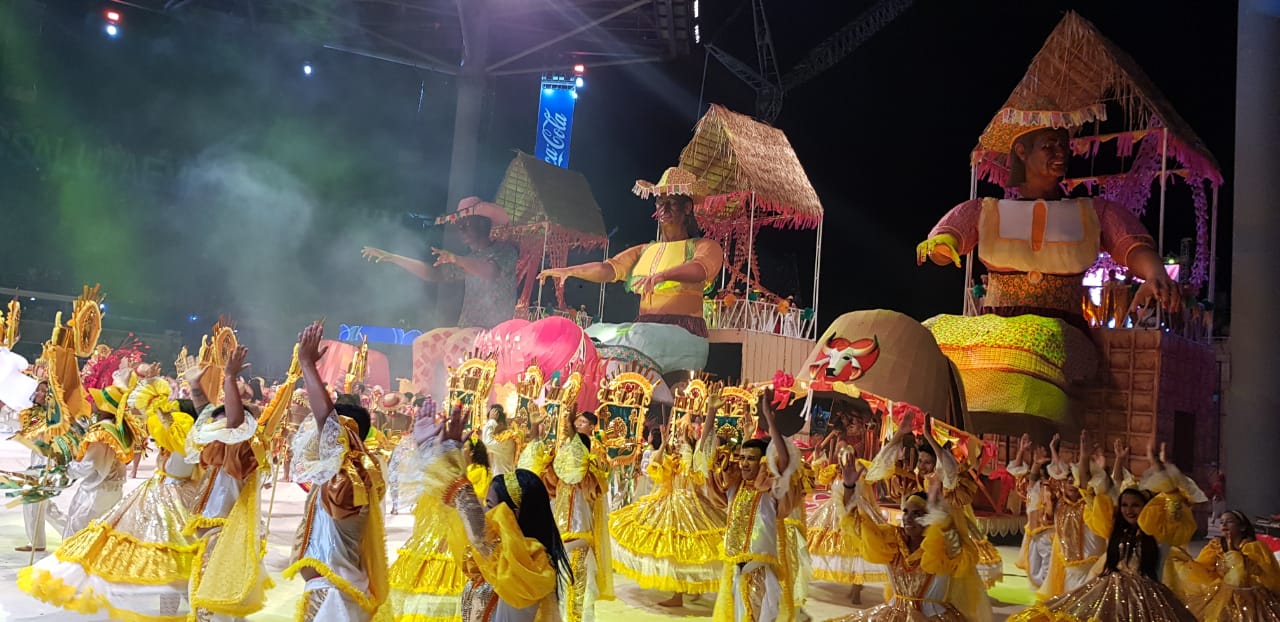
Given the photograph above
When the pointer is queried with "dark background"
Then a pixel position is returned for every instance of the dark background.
(192, 169)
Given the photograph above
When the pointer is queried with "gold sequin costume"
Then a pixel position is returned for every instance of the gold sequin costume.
(581, 512)
(133, 563)
(1228, 585)
(837, 557)
(936, 582)
(510, 576)
(670, 539)
(1125, 593)
(760, 570)
(426, 580)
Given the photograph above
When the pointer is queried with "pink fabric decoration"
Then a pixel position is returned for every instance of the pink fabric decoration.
(333, 367)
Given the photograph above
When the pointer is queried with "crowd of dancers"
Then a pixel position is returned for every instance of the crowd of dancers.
(515, 520)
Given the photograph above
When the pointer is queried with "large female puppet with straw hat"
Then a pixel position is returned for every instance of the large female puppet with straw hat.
(1031, 343)
(670, 275)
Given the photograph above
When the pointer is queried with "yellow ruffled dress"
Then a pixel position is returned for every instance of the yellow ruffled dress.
(937, 582)
(133, 563)
(1125, 593)
(672, 538)
(511, 575)
(837, 557)
(1228, 586)
(426, 580)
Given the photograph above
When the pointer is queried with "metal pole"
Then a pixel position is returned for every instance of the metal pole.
(751, 243)
(967, 291)
(1164, 169)
(817, 270)
(546, 229)
(1213, 245)
(31, 561)
(271, 505)
(600, 305)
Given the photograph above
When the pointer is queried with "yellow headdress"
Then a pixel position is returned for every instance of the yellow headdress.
(512, 485)
(913, 501)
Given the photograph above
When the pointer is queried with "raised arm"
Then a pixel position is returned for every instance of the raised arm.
(420, 269)
(1121, 463)
(775, 435)
(231, 371)
(194, 372)
(595, 272)
(309, 353)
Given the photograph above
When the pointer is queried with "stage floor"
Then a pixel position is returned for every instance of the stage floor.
(825, 601)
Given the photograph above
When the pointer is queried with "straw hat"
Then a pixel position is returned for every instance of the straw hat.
(674, 181)
(1014, 121)
(108, 400)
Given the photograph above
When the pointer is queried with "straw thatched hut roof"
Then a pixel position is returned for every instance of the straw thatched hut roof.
(534, 193)
(552, 210)
(1078, 67)
(737, 156)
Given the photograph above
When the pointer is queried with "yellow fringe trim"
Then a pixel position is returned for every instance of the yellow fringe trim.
(667, 584)
(365, 601)
(43, 586)
(427, 573)
(579, 535)
(202, 522)
(122, 558)
(859, 578)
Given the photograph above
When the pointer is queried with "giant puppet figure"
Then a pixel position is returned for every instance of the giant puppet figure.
(488, 274)
(671, 275)
(1019, 359)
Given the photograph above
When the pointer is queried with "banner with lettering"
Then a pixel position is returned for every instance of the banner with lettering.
(555, 126)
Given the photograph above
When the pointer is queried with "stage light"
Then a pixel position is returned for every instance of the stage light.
(579, 82)
(113, 16)
(579, 69)
(547, 91)
(112, 30)
(33, 299)
(193, 318)
(307, 69)
(573, 94)
(102, 307)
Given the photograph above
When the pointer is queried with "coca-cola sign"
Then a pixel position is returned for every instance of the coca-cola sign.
(555, 126)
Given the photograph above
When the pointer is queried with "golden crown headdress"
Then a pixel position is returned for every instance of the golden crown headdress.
(470, 383)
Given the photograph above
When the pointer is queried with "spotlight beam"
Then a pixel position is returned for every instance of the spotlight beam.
(408, 49)
(560, 67)
(399, 60)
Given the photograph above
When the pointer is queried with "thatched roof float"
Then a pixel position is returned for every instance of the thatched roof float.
(552, 210)
(1082, 72)
(747, 163)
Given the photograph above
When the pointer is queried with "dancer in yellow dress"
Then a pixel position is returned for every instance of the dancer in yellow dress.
(426, 580)
(958, 484)
(135, 561)
(837, 556)
(931, 565)
(1235, 578)
(1129, 587)
(581, 507)
(670, 539)
(518, 564)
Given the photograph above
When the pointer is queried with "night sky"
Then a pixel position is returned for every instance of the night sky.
(221, 179)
